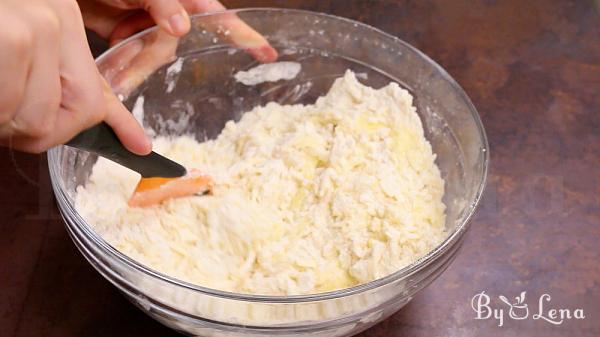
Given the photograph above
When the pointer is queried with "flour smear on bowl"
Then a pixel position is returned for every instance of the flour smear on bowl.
(307, 198)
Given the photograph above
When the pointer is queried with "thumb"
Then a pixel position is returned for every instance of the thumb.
(169, 15)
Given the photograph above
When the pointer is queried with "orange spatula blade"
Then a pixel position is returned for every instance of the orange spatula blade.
(153, 191)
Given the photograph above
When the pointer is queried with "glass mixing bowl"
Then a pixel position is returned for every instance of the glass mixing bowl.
(203, 96)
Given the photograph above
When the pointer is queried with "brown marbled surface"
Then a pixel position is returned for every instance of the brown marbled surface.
(532, 68)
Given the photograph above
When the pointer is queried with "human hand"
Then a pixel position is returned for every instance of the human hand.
(116, 20)
(50, 87)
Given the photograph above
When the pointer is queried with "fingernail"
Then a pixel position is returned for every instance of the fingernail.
(147, 146)
(179, 23)
(264, 54)
(143, 146)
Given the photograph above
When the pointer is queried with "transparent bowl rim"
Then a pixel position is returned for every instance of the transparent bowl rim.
(62, 195)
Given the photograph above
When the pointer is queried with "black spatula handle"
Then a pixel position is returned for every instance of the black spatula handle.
(103, 141)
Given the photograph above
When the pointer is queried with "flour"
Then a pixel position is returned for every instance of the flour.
(269, 72)
(307, 198)
(172, 74)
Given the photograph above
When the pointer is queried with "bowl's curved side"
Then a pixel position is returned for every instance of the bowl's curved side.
(335, 317)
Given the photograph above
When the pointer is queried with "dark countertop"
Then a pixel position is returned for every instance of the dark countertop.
(532, 68)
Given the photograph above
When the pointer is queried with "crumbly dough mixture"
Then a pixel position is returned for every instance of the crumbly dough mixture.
(308, 199)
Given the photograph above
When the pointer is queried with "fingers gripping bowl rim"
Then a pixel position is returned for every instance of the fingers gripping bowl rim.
(325, 45)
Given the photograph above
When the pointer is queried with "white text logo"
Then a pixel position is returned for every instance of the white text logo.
(519, 309)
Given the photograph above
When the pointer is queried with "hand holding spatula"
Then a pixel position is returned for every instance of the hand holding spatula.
(161, 178)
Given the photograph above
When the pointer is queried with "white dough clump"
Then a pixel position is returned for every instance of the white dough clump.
(307, 198)
(269, 72)
(172, 74)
